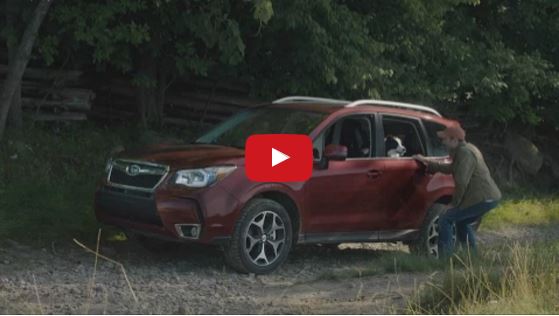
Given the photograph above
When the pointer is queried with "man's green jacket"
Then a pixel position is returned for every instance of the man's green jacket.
(473, 182)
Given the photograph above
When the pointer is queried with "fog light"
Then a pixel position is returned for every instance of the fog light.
(194, 231)
(189, 231)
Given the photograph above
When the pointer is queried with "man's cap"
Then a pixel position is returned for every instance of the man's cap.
(454, 130)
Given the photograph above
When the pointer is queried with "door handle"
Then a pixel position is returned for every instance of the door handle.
(374, 173)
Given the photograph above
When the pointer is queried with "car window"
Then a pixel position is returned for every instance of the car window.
(401, 137)
(354, 132)
(437, 147)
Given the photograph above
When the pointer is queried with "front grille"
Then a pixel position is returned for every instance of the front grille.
(127, 206)
(132, 192)
(136, 174)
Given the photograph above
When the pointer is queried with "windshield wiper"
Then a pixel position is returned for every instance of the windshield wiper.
(196, 142)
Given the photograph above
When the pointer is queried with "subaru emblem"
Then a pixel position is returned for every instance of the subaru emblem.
(133, 170)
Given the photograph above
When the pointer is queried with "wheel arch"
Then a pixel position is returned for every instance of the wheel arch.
(443, 197)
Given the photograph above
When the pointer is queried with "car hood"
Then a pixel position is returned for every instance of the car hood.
(185, 156)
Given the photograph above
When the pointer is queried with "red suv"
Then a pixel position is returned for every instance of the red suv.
(365, 187)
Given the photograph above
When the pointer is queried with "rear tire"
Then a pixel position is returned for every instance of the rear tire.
(262, 238)
(427, 243)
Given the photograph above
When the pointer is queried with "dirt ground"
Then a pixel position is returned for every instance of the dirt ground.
(189, 279)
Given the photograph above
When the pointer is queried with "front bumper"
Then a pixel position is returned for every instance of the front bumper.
(162, 212)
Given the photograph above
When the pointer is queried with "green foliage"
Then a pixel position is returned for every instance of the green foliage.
(109, 29)
(504, 84)
(448, 53)
(438, 53)
(187, 37)
(495, 60)
(48, 182)
(48, 48)
(263, 10)
(310, 47)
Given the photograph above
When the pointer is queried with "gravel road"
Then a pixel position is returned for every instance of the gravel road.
(189, 279)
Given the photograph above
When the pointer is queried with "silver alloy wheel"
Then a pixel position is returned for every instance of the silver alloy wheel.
(264, 238)
(433, 237)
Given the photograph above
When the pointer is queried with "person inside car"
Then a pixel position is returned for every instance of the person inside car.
(476, 193)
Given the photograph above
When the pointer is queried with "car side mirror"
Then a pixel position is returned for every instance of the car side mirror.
(335, 152)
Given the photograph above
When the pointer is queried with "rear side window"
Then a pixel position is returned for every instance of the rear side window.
(437, 147)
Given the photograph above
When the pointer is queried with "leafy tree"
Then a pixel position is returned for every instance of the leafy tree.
(309, 47)
(525, 31)
(454, 54)
(153, 41)
(494, 59)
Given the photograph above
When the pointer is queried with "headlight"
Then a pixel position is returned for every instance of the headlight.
(108, 165)
(199, 178)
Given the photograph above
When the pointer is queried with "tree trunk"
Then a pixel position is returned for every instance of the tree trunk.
(15, 113)
(17, 67)
(151, 97)
(147, 91)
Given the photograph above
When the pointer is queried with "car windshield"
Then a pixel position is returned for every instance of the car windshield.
(268, 120)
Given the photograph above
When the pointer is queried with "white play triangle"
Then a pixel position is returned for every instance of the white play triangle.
(278, 157)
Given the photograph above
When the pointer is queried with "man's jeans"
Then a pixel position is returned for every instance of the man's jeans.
(464, 232)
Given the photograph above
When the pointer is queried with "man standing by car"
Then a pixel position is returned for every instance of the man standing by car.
(475, 191)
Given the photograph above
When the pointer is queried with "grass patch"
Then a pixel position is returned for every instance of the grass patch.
(48, 177)
(526, 211)
(520, 280)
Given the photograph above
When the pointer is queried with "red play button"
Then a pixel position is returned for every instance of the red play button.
(278, 157)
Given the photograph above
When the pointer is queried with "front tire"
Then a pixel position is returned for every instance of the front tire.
(262, 238)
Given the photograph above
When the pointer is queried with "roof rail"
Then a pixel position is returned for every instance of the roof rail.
(417, 107)
(292, 99)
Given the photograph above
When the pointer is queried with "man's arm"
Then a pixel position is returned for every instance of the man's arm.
(434, 166)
